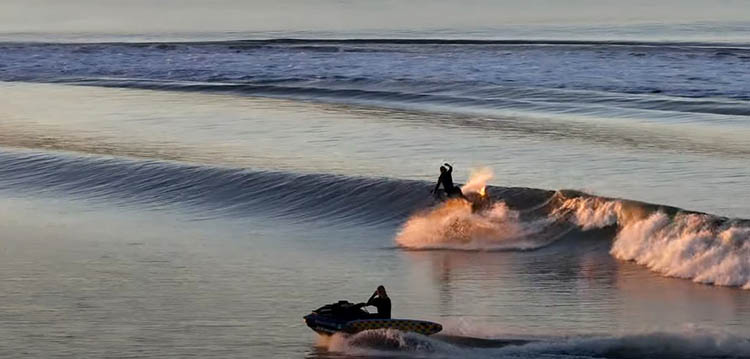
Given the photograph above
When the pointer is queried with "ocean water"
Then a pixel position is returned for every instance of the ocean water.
(197, 197)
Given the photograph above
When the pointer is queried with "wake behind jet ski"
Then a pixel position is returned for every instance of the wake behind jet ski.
(346, 317)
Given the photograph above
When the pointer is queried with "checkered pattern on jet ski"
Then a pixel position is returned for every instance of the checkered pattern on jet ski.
(420, 327)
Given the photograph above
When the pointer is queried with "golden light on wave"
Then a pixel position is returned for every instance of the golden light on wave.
(481, 191)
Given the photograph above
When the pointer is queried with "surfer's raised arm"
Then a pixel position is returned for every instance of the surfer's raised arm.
(374, 294)
(450, 168)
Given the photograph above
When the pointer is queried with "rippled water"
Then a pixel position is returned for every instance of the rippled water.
(673, 165)
(82, 280)
(197, 199)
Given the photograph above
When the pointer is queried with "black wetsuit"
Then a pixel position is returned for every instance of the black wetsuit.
(384, 307)
(446, 178)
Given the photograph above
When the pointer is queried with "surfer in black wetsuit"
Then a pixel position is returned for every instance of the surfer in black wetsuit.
(380, 300)
(446, 178)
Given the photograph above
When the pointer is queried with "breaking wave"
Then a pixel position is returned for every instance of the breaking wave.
(673, 242)
(696, 246)
(455, 225)
(670, 241)
(688, 246)
(452, 225)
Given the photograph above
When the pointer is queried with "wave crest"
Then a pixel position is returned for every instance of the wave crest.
(696, 246)
(688, 246)
(672, 242)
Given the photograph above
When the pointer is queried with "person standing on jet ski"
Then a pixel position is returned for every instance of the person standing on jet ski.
(380, 300)
(446, 178)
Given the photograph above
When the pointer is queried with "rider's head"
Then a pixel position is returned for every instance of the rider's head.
(443, 169)
(381, 291)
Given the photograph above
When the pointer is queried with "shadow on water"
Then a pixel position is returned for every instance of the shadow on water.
(471, 342)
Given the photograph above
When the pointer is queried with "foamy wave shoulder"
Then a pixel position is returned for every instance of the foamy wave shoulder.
(696, 246)
(453, 225)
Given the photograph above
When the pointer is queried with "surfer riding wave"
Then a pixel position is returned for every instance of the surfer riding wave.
(446, 179)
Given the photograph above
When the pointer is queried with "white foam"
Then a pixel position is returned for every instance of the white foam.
(452, 225)
(389, 342)
(688, 246)
(478, 180)
(590, 213)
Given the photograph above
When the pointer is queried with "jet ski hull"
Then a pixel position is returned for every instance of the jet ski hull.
(329, 326)
(404, 325)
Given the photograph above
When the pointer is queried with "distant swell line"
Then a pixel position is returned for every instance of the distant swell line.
(417, 41)
(357, 95)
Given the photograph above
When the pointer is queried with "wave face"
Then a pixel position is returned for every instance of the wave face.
(212, 191)
(659, 81)
(673, 242)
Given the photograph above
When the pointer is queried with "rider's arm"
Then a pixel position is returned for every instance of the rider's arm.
(438, 184)
(369, 301)
(450, 168)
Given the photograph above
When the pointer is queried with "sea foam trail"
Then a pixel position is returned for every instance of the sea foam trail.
(682, 344)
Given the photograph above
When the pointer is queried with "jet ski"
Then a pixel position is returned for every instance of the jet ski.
(350, 318)
(480, 201)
